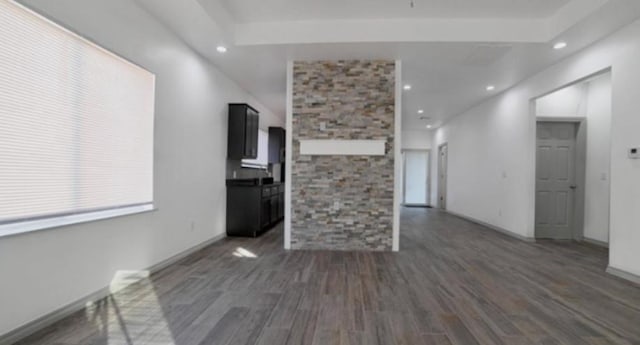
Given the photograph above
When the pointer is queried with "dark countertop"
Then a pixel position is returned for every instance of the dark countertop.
(253, 182)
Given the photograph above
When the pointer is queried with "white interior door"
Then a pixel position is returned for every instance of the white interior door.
(555, 179)
(442, 176)
(416, 177)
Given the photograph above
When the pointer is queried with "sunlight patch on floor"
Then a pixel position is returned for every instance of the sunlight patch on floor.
(132, 314)
(243, 253)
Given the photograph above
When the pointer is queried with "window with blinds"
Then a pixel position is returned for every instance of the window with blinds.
(262, 161)
(76, 123)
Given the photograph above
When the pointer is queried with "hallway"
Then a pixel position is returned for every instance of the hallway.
(453, 282)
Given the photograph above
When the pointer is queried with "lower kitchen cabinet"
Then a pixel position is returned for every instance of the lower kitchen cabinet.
(253, 209)
(281, 204)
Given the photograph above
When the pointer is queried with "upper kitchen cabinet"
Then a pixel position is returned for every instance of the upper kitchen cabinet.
(242, 139)
(277, 140)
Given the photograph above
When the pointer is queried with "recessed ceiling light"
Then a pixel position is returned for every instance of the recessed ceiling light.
(221, 49)
(420, 111)
(428, 126)
(560, 45)
(491, 88)
(407, 87)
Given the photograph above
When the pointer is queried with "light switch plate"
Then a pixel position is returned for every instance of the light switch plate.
(634, 153)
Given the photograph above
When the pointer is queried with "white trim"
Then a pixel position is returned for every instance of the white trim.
(49, 319)
(531, 172)
(58, 221)
(392, 30)
(343, 147)
(533, 137)
(288, 158)
(492, 227)
(479, 29)
(573, 119)
(397, 154)
(593, 242)
(634, 278)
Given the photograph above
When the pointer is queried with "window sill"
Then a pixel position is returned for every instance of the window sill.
(254, 166)
(56, 222)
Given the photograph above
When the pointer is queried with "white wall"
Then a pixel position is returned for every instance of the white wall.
(492, 151)
(597, 204)
(568, 102)
(591, 100)
(43, 271)
(416, 140)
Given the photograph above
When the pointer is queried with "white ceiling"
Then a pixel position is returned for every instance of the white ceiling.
(245, 11)
(447, 77)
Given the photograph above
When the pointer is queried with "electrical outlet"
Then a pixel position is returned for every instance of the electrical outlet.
(336, 205)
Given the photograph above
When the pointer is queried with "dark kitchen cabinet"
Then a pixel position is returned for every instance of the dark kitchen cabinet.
(275, 204)
(265, 218)
(253, 208)
(277, 144)
(281, 202)
(242, 137)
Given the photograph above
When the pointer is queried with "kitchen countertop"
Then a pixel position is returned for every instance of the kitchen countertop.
(253, 182)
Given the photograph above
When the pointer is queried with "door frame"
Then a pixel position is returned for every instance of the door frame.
(404, 177)
(580, 170)
(442, 186)
(533, 121)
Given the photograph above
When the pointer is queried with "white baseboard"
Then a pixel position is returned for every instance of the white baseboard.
(493, 227)
(59, 314)
(624, 275)
(596, 242)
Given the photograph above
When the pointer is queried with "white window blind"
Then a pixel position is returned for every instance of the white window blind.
(76, 122)
(262, 161)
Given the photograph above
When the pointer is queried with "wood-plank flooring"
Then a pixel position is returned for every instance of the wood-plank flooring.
(454, 282)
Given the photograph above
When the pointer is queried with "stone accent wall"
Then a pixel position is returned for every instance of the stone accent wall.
(343, 202)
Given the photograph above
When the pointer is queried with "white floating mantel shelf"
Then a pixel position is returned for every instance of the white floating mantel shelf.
(342, 147)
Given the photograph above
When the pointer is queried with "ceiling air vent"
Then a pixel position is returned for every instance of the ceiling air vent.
(486, 54)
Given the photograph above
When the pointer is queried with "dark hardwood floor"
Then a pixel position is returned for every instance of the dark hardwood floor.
(454, 282)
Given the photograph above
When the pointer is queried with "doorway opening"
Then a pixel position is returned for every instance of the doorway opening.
(573, 135)
(442, 175)
(415, 187)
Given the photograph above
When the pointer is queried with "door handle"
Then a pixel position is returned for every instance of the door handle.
(573, 186)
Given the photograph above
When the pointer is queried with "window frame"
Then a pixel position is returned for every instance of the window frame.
(251, 165)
